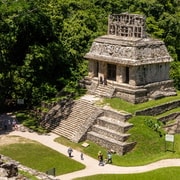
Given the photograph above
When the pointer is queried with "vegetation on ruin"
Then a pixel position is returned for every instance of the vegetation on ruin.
(122, 105)
(27, 175)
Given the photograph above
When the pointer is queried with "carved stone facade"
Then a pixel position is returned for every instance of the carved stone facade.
(126, 25)
(137, 67)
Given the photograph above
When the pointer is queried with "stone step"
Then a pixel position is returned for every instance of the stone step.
(67, 127)
(110, 143)
(114, 124)
(120, 116)
(64, 133)
(110, 133)
(104, 90)
(80, 111)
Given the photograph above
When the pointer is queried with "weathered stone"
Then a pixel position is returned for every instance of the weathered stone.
(11, 169)
(135, 66)
(156, 110)
(3, 172)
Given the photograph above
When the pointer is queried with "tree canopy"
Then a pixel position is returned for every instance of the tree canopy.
(42, 43)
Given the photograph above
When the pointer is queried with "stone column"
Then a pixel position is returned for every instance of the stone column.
(92, 69)
(119, 74)
(102, 70)
(123, 73)
(132, 75)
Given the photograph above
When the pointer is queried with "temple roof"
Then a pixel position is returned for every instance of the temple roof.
(128, 51)
(127, 43)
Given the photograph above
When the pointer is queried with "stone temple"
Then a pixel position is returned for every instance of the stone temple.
(128, 64)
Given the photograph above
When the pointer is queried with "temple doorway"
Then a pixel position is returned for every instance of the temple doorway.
(97, 69)
(111, 72)
(127, 75)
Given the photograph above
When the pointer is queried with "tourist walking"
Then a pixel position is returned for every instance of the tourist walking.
(82, 156)
(70, 151)
(100, 158)
(109, 157)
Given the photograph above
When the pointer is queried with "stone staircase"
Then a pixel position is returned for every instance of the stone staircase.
(104, 90)
(110, 131)
(80, 120)
(69, 127)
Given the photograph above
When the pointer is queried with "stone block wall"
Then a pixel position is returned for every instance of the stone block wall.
(116, 115)
(153, 111)
(169, 117)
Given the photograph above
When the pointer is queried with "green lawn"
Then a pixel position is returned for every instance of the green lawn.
(122, 105)
(34, 155)
(172, 173)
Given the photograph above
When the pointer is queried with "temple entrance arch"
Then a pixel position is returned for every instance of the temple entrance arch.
(111, 72)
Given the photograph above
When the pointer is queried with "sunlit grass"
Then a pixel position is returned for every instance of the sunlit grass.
(40, 157)
(171, 173)
(122, 105)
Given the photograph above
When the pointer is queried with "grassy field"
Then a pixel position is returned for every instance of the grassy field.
(39, 157)
(164, 174)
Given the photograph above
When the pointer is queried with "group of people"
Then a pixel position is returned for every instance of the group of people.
(8, 124)
(103, 161)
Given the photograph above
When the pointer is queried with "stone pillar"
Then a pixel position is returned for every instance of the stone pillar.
(102, 70)
(132, 75)
(123, 73)
(119, 74)
(92, 69)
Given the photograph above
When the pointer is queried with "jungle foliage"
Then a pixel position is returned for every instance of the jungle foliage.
(42, 42)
